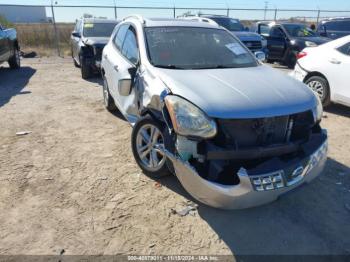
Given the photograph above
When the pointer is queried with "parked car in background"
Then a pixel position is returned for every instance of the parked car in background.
(334, 27)
(285, 40)
(236, 133)
(253, 41)
(9, 48)
(88, 40)
(325, 69)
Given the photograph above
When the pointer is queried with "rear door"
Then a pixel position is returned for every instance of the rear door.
(76, 40)
(129, 59)
(339, 73)
(112, 60)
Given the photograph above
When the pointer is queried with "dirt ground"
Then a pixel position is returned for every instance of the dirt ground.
(72, 183)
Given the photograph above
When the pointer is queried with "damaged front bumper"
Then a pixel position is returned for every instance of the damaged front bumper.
(262, 185)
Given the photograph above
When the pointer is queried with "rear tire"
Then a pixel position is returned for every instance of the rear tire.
(320, 86)
(143, 141)
(86, 70)
(107, 98)
(15, 60)
(75, 63)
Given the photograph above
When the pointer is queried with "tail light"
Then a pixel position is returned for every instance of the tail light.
(301, 55)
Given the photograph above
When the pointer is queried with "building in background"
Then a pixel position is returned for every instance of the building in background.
(23, 14)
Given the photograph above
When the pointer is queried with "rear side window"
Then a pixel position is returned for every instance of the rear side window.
(120, 36)
(345, 49)
(130, 48)
(338, 26)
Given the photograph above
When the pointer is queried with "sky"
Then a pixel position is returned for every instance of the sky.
(70, 14)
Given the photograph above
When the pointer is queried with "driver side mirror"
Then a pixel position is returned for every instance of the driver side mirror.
(260, 56)
(125, 85)
(76, 34)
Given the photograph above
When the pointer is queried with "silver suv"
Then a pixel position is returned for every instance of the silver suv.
(236, 133)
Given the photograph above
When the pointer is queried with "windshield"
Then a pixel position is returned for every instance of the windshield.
(299, 30)
(229, 23)
(98, 29)
(196, 48)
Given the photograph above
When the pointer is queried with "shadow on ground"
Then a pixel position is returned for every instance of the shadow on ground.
(96, 80)
(12, 82)
(338, 110)
(314, 219)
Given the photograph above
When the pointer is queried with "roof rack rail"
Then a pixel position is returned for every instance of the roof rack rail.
(138, 17)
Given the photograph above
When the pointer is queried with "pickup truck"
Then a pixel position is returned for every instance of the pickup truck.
(9, 48)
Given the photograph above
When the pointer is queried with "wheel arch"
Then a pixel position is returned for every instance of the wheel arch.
(316, 73)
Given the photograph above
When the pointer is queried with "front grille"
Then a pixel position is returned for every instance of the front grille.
(253, 45)
(262, 132)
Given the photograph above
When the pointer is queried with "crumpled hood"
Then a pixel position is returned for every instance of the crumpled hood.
(96, 40)
(247, 36)
(239, 93)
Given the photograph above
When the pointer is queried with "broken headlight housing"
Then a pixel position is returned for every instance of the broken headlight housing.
(189, 120)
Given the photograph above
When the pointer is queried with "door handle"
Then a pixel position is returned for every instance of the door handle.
(105, 56)
(335, 61)
(116, 68)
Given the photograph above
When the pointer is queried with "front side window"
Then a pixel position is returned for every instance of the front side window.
(264, 30)
(295, 30)
(229, 23)
(345, 49)
(98, 29)
(196, 48)
(277, 32)
(130, 48)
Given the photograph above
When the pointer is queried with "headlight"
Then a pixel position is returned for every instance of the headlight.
(189, 120)
(318, 110)
(310, 44)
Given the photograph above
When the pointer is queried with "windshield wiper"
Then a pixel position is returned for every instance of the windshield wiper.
(216, 67)
(169, 66)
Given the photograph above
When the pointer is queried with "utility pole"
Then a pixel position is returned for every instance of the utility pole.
(115, 9)
(265, 11)
(57, 37)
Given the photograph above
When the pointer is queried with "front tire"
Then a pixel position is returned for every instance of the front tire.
(86, 70)
(15, 60)
(292, 61)
(320, 86)
(148, 136)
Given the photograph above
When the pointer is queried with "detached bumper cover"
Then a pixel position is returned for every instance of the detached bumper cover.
(254, 188)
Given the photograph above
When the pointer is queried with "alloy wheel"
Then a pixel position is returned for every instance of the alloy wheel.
(149, 141)
(318, 88)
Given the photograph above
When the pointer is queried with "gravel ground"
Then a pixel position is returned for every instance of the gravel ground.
(72, 183)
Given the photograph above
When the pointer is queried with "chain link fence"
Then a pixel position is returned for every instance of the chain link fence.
(46, 29)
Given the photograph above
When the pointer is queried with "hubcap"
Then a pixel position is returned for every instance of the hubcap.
(105, 92)
(149, 141)
(318, 88)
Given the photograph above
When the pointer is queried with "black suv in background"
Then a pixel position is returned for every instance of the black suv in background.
(9, 47)
(286, 40)
(88, 40)
(334, 27)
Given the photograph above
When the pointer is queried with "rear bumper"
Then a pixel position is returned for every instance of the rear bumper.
(299, 73)
(256, 187)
